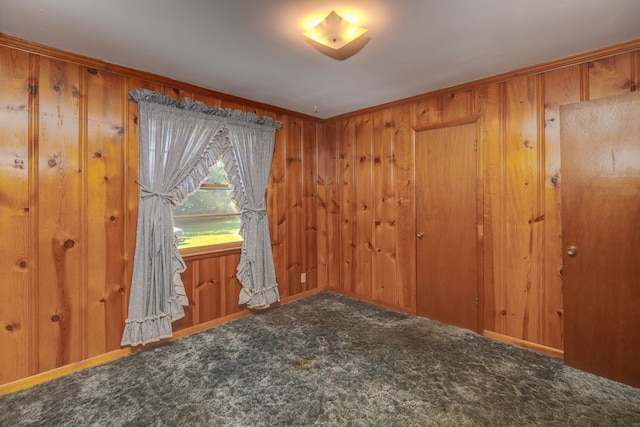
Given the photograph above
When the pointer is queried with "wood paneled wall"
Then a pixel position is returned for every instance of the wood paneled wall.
(340, 200)
(68, 207)
(366, 188)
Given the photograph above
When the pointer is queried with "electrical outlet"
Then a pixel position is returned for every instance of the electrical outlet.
(303, 277)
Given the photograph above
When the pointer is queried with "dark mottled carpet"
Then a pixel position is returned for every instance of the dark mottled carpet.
(328, 360)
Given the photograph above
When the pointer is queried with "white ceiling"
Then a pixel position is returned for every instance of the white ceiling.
(254, 49)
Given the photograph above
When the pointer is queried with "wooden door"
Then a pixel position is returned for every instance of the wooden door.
(600, 149)
(447, 255)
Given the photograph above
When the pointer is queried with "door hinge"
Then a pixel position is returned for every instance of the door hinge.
(475, 222)
(475, 145)
(476, 301)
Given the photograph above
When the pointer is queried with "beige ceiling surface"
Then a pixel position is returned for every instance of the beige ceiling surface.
(254, 49)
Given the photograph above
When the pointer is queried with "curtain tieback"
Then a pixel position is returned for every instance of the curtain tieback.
(261, 212)
(146, 192)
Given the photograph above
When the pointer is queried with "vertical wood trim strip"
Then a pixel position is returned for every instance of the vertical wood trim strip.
(321, 206)
(503, 209)
(83, 190)
(34, 212)
(584, 82)
(126, 235)
(333, 206)
(539, 333)
(479, 215)
(635, 56)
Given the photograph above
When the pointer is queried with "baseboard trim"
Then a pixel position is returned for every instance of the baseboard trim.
(522, 343)
(42, 377)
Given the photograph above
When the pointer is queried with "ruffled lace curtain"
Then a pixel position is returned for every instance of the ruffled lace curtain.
(178, 145)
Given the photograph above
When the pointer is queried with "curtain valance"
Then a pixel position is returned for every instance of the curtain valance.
(228, 115)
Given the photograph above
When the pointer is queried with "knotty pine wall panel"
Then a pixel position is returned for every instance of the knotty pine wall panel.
(321, 217)
(560, 87)
(520, 237)
(69, 199)
(521, 222)
(17, 303)
(61, 204)
(364, 223)
(491, 108)
(104, 186)
(277, 202)
(611, 76)
(311, 140)
(404, 118)
(385, 240)
(345, 203)
(293, 195)
(332, 210)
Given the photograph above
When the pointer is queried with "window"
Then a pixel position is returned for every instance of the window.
(209, 216)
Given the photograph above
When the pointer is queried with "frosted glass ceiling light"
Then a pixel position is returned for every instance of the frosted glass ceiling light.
(336, 37)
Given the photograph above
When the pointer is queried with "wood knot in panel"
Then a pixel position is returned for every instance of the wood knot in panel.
(536, 219)
(55, 318)
(12, 327)
(69, 243)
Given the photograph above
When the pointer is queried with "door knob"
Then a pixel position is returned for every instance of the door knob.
(420, 234)
(572, 251)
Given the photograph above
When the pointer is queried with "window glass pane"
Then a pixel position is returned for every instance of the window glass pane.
(208, 216)
(204, 231)
(206, 202)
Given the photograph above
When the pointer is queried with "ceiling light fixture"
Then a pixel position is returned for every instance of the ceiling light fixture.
(336, 37)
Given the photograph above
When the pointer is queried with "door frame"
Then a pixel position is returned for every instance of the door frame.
(478, 120)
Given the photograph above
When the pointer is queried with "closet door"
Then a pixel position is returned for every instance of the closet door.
(447, 240)
(600, 149)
